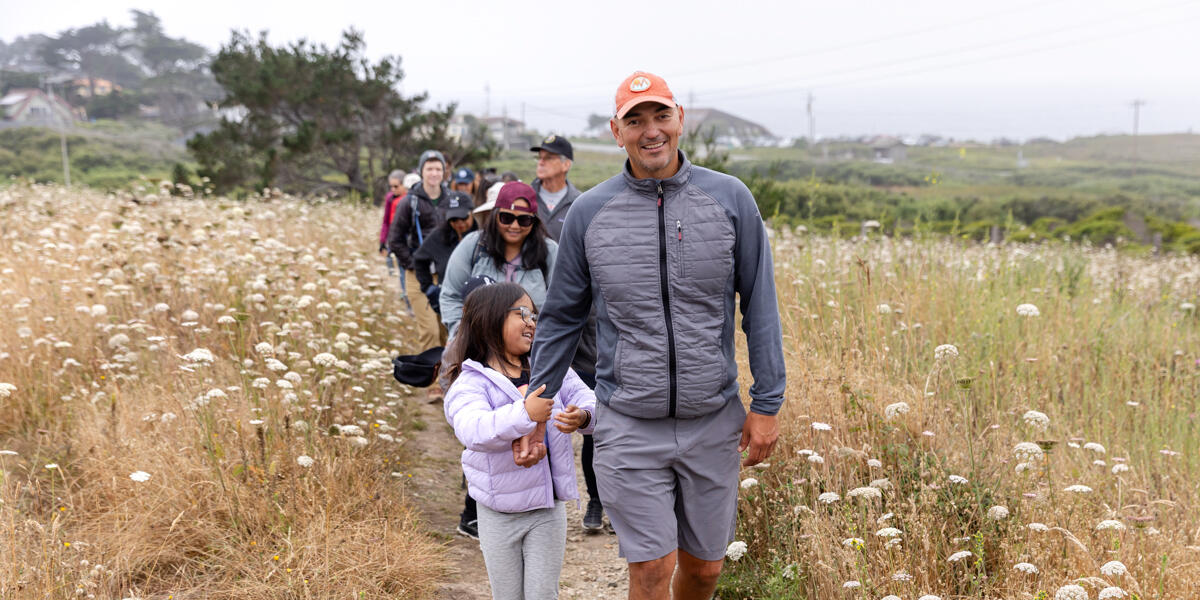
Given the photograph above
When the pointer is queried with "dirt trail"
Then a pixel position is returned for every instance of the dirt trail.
(591, 568)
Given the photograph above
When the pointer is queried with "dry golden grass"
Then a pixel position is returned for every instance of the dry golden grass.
(103, 302)
(1111, 359)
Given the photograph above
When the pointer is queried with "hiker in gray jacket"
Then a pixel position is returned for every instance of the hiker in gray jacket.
(667, 252)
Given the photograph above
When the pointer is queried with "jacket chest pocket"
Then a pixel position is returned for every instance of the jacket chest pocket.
(705, 253)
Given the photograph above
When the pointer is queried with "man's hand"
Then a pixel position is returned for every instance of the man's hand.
(538, 407)
(759, 433)
(570, 419)
(530, 449)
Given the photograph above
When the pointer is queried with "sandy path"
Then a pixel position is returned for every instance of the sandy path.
(591, 569)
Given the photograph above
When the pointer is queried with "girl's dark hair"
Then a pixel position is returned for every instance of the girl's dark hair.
(480, 334)
(534, 253)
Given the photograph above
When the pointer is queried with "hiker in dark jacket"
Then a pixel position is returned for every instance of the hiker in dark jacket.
(406, 233)
(431, 258)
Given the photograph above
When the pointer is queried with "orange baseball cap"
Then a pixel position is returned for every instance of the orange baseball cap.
(642, 87)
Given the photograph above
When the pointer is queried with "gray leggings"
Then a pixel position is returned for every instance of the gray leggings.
(523, 551)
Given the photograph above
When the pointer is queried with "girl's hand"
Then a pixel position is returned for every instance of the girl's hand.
(538, 407)
(570, 419)
(530, 449)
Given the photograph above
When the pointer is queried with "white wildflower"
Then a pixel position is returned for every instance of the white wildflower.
(736, 550)
(199, 355)
(1071, 592)
(304, 460)
(929, 597)
(324, 359)
(215, 393)
(748, 483)
(98, 310)
(1094, 447)
(828, 497)
(961, 554)
(1110, 592)
(1028, 451)
(161, 307)
(189, 315)
(867, 493)
(888, 532)
(816, 459)
(1037, 419)
(140, 476)
(881, 483)
(901, 576)
(1114, 568)
(276, 365)
(1119, 468)
(265, 349)
(1113, 524)
(853, 542)
(819, 426)
(1187, 306)
(851, 584)
(874, 463)
(1035, 526)
(945, 351)
(957, 479)
(1028, 310)
(883, 309)
(1025, 567)
(359, 441)
(226, 320)
(998, 513)
(283, 384)
(6, 389)
(1077, 489)
(895, 409)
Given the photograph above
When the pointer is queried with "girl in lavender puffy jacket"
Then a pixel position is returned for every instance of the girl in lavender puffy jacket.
(522, 514)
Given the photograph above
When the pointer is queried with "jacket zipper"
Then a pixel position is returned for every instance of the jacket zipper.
(679, 254)
(666, 299)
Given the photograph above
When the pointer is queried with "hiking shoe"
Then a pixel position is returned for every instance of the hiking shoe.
(593, 519)
(469, 529)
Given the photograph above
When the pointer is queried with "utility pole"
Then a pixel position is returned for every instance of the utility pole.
(62, 134)
(812, 122)
(487, 102)
(1137, 108)
(523, 122)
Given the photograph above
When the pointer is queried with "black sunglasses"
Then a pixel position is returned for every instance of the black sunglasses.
(522, 220)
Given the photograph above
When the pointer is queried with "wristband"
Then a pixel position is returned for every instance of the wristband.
(587, 420)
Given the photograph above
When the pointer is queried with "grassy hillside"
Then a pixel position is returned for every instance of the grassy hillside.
(104, 154)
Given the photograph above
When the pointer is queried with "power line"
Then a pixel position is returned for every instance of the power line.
(737, 92)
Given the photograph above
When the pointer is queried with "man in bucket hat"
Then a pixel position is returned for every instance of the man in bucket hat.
(667, 252)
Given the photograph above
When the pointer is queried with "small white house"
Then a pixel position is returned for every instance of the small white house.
(31, 106)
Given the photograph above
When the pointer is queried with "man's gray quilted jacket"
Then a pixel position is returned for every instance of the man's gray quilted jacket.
(662, 260)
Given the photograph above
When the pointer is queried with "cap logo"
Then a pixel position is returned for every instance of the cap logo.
(549, 140)
(639, 84)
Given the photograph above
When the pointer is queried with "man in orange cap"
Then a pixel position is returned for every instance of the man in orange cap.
(665, 252)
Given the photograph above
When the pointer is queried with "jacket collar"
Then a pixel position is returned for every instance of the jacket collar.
(419, 191)
(495, 376)
(670, 184)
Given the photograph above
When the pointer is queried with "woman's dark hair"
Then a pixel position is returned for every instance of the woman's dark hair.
(480, 334)
(534, 253)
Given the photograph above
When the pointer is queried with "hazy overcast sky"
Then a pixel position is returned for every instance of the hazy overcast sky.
(968, 69)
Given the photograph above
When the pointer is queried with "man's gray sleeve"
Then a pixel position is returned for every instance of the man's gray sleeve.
(565, 312)
(754, 279)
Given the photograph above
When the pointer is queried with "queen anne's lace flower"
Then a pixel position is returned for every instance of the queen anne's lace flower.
(1071, 592)
(945, 351)
(735, 550)
(1028, 310)
(961, 554)
(1025, 567)
(1037, 419)
(1114, 568)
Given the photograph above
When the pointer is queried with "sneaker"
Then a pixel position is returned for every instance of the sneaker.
(469, 529)
(593, 519)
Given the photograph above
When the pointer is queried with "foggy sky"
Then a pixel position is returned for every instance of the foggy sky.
(966, 69)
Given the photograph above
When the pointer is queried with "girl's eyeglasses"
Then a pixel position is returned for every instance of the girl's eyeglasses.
(530, 317)
(522, 220)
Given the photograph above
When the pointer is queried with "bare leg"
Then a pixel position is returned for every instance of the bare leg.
(695, 579)
(650, 580)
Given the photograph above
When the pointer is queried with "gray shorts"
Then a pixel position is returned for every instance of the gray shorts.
(670, 483)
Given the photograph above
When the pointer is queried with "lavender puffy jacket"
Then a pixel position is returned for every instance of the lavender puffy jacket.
(488, 413)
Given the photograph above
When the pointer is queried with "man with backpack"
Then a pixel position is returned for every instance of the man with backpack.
(420, 212)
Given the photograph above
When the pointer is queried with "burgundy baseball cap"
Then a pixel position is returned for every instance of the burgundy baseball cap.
(517, 190)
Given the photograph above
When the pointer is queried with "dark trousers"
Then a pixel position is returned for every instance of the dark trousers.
(589, 449)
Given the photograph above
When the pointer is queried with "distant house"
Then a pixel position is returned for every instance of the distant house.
(31, 106)
(887, 150)
(505, 131)
(728, 130)
(86, 88)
